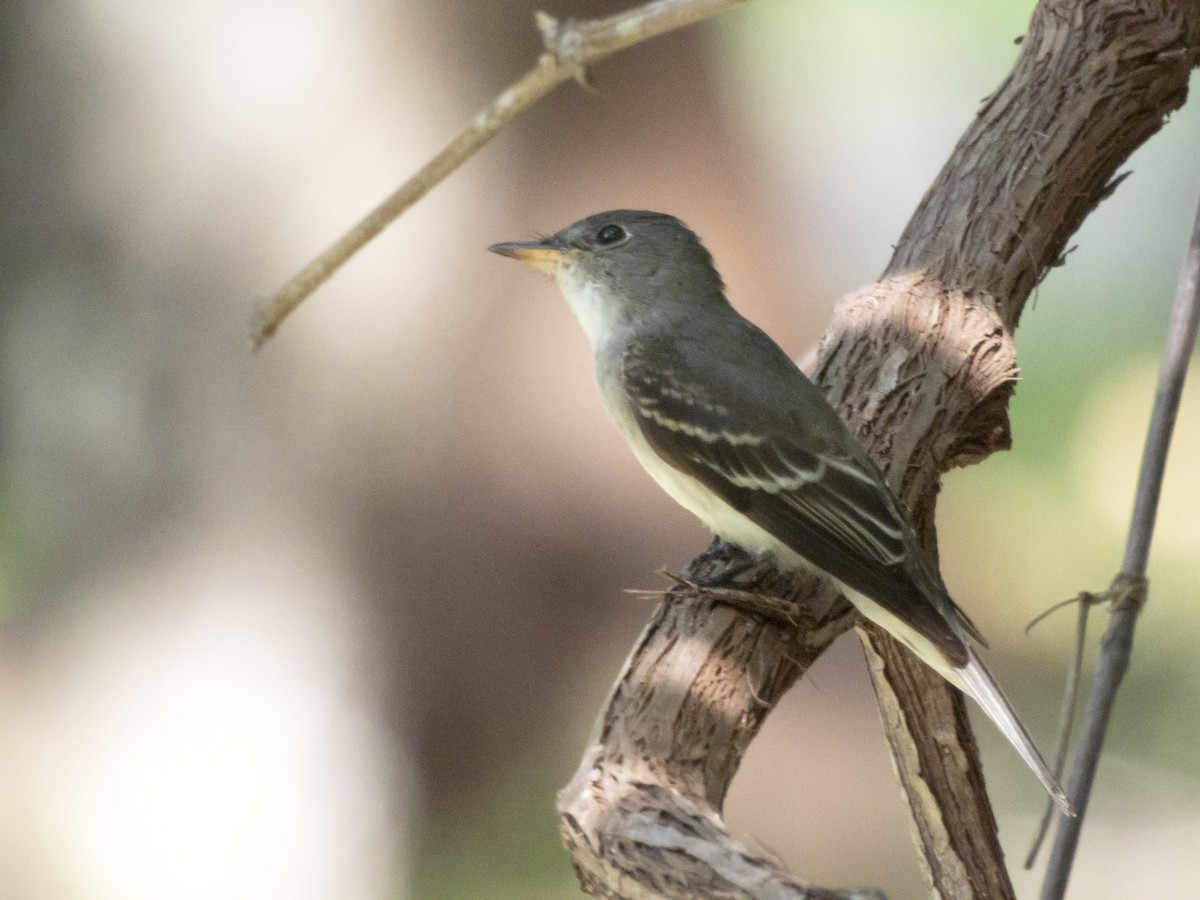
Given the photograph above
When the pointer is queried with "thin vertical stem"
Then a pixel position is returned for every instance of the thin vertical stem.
(1128, 592)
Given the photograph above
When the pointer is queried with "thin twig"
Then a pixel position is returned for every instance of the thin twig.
(570, 48)
(1066, 712)
(1084, 597)
(1128, 592)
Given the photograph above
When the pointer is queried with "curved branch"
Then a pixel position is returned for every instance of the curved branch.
(921, 365)
(570, 48)
(641, 816)
(1094, 80)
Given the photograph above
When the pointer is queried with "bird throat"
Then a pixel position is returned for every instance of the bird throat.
(592, 301)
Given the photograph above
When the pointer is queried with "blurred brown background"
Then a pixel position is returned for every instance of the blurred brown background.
(333, 621)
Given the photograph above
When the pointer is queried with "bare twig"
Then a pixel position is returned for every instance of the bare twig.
(570, 48)
(1128, 592)
(1066, 712)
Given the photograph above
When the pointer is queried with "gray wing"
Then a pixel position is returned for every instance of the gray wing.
(780, 456)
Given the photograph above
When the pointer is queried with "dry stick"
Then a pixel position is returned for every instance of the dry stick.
(570, 48)
(1066, 712)
(1128, 591)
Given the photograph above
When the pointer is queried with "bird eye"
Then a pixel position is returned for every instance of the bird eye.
(611, 234)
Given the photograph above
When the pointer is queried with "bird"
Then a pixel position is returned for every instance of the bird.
(731, 428)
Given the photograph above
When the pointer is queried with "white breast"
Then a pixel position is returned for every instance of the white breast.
(597, 313)
(721, 518)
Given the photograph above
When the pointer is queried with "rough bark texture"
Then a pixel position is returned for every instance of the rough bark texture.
(921, 365)
(923, 373)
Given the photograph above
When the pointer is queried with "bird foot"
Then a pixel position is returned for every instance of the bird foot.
(755, 603)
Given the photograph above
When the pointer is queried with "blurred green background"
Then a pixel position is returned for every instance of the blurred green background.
(334, 620)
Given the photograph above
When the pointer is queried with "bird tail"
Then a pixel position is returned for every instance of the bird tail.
(978, 683)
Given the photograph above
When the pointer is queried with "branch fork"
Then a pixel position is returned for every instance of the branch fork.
(641, 818)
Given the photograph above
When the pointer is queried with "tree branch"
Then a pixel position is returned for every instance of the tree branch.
(921, 366)
(641, 816)
(1128, 592)
(1040, 155)
(570, 48)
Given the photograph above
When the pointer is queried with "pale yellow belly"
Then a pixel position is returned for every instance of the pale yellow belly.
(721, 518)
(726, 522)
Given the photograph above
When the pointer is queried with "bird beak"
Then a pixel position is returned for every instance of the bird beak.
(547, 254)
